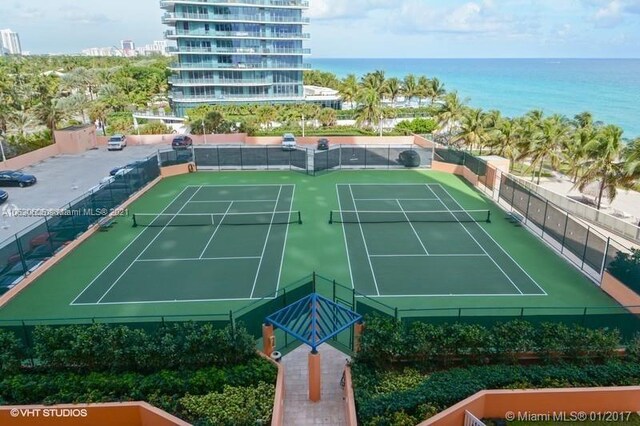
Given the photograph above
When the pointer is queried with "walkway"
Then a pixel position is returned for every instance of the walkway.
(298, 410)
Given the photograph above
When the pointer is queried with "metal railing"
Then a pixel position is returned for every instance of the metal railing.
(272, 3)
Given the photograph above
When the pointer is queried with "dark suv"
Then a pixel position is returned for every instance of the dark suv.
(181, 142)
(323, 144)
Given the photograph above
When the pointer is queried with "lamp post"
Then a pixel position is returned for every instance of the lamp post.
(204, 133)
(380, 125)
(303, 125)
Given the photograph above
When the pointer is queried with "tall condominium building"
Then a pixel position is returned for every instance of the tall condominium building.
(240, 51)
(11, 42)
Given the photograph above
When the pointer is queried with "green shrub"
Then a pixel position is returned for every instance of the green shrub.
(626, 268)
(234, 406)
(446, 388)
(102, 347)
(11, 352)
(428, 346)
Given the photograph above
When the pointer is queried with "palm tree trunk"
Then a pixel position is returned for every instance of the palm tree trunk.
(540, 169)
(600, 193)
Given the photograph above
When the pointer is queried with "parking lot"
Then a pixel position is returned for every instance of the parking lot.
(63, 178)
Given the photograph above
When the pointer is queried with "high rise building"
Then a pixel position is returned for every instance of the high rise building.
(128, 47)
(11, 42)
(242, 51)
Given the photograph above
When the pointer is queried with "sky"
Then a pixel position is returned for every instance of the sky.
(365, 28)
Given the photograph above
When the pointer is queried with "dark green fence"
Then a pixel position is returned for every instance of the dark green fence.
(29, 248)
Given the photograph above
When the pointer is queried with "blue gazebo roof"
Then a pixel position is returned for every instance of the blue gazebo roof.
(314, 319)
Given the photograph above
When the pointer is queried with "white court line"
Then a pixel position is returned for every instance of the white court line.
(148, 245)
(284, 245)
(124, 249)
(243, 184)
(412, 227)
(452, 295)
(216, 230)
(196, 259)
(503, 250)
(429, 255)
(375, 281)
(233, 201)
(479, 245)
(394, 199)
(344, 234)
(141, 302)
(266, 241)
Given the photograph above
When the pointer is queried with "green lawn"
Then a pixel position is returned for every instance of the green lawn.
(313, 246)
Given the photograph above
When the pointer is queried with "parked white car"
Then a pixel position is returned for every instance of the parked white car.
(116, 142)
(288, 142)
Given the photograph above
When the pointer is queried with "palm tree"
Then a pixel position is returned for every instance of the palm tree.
(369, 110)
(424, 85)
(328, 117)
(554, 134)
(410, 86)
(376, 82)
(265, 115)
(394, 89)
(51, 112)
(450, 114)
(436, 90)
(349, 89)
(21, 122)
(504, 139)
(632, 156)
(472, 128)
(605, 166)
(99, 111)
(575, 151)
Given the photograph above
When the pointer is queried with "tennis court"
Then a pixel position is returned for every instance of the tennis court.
(212, 242)
(411, 240)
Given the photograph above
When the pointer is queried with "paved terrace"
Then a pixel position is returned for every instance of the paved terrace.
(298, 410)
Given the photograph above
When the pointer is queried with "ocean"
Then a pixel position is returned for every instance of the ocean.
(608, 88)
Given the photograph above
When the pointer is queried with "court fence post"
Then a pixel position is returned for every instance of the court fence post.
(544, 220)
(27, 342)
(603, 267)
(521, 312)
(313, 282)
(564, 233)
(584, 317)
(586, 246)
(232, 321)
(353, 299)
(459, 313)
(334, 291)
(395, 313)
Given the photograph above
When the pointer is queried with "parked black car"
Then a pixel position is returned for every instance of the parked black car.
(3, 196)
(181, 142)
(409, 158)
(323, 144)
(13, 178)
(133, 165)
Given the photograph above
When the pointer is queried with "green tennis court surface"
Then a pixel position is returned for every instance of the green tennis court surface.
(211, 242)
(416, 240)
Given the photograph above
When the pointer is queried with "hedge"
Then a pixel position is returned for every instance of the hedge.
(387, 341)
(445, 388)
(103, 347)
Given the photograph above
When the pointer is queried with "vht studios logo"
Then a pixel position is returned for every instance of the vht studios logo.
(10, 210)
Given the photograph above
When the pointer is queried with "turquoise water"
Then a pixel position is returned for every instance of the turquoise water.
(608, 88)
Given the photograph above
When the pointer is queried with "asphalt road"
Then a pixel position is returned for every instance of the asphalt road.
(62, 179)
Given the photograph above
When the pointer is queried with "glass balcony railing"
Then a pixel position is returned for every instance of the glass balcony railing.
(241, 50)
(213, 97)
(179, 33)
(273, 3)
(239, 66)
(180, 81)
(262, 18)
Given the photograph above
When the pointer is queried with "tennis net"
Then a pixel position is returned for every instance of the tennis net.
(399, 216)
(216, 219)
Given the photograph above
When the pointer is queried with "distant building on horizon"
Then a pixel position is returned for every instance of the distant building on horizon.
(10, 42)
(101, 51)
(128, 48)
(227, 53)
(156, 47)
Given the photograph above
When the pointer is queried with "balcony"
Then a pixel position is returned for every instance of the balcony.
(239, 66)
(218, 97)
(171, 18)
(179, 81)
(265, 35)
(292, 4)
(241, 50)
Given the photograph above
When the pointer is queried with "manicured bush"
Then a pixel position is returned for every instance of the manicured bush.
(429, 346)
(70, 387)
(11, 352)
(102, 347)
(446, 388)
(234, 406)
